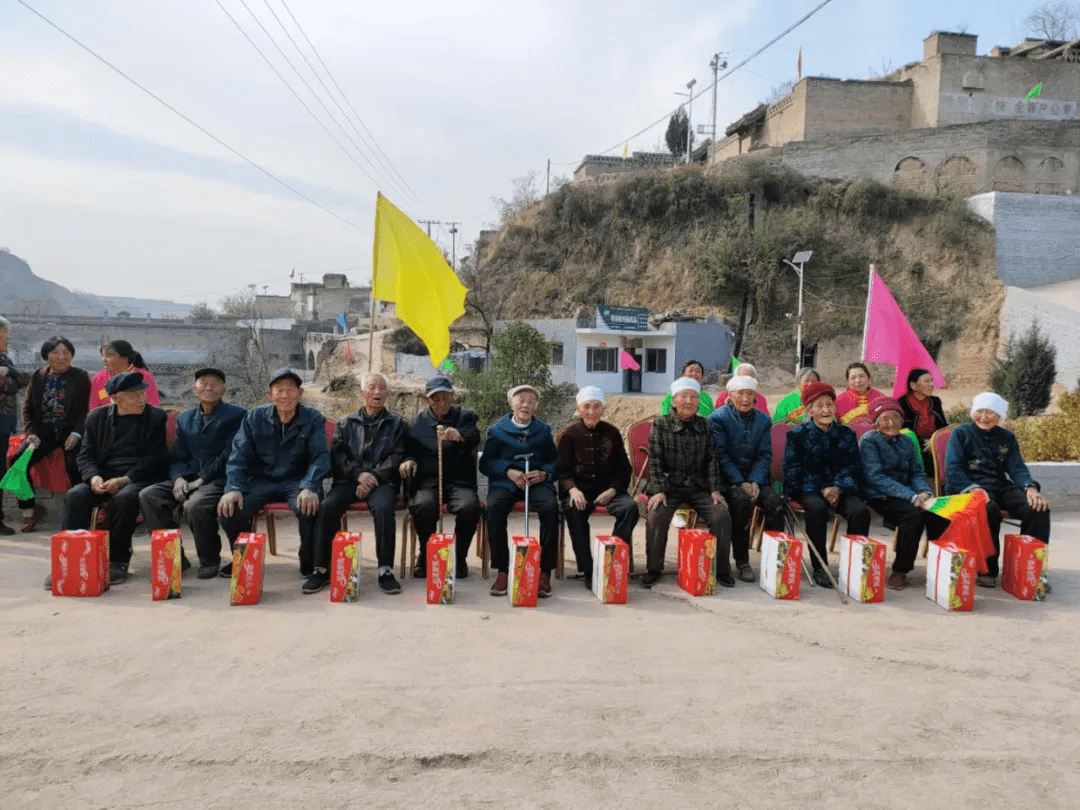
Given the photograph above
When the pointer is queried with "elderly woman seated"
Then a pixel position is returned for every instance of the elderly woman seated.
(896, 488)
(790, 409)
(744, 370)
(517, 443)
(983, 455)
(854, 403)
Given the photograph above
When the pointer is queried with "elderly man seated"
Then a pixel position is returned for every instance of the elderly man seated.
(743, 438)
(460, 439)
(279, 454)
(593, 470)
(516, 443)
(367, 449)
(123, 450)
(204, 438)
(983, 455)
(683, 470)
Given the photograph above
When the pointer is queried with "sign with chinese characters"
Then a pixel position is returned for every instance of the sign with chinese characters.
(962, 108)
(627, 319)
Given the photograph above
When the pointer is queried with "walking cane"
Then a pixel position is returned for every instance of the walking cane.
(526, 457)
(439, 431)
(817, 556)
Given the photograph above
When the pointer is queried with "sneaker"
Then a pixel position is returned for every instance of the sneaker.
(419, 570)
(30, 523)
(118, 573)
(226, 571)
(726, 580)
(543, 590)
(389, 584)
(746, 573)
(896, 581)
(499, 587)
(316, 582)
(821, 578)
(48, 582)
(5, 529)
(208, 571)
(462, 570)
(986, 581)
(650, 578)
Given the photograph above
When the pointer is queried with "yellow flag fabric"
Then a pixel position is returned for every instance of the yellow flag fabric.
(625, 149)
(410, 270)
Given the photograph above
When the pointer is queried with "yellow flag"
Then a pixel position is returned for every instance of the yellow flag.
(410, 270)
(625, 149)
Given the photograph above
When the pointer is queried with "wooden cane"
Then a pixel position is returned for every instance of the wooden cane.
(439, 431)
(817, 556)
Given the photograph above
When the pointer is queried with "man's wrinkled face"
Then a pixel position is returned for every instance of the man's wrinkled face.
(986, 419)
(130, 401)
(441, 402)
(744, 400)
(375, 393)
(209, 388)
(685, 404)
(590, 412)
(285, 394)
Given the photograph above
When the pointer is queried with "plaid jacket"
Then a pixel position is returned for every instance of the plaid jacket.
(681, 456)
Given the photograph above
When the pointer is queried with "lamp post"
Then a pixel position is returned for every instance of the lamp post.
(717, 64)
(796, 264)
(689, 104)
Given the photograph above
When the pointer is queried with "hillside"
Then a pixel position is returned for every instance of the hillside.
(712, 243)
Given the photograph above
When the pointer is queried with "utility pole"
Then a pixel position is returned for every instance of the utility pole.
(547, 180)
(429, 223)
(689, 121)
(453, 243)
(717, 64)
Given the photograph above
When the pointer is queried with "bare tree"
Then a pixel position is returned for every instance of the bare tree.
(239, 304)
(488, 292)
(778, 91)
(202, 312)
(525, 192)
(1053, 20)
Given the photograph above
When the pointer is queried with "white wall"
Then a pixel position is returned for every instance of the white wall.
(1060, 323)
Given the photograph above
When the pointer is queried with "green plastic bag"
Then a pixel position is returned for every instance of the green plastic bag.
(16, 480)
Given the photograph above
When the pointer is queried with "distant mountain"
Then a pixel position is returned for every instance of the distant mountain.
(23, 293)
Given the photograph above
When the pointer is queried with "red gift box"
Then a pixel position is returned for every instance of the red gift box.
(1023, 567)
(862, 567)
(781, 565)
(441, 569)
(165, 571)
(80, 563)
(345, 567)
(249, 558)
(950, 576)
(524, 571)
(611, 568)
(697, 562)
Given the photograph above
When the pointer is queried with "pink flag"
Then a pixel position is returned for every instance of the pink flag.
(889, 338)
(628, 362)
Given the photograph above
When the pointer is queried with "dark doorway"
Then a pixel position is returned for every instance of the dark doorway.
(631, 378)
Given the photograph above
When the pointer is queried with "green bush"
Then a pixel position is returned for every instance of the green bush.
(1026, 374)
(1051, 438)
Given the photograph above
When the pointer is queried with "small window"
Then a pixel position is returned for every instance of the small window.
(602, 360)
(556, 353)
(656, 361)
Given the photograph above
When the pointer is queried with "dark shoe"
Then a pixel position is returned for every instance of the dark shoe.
(587, 577)
(5, 529)
(30, 523)
(499, 587)
(821, 578)
(419, 571)
(226, 571)
(650, 578)
(317, 581)
(896, 581)
(746, 573)
(48, 582)
(208, 571)
(462, 570)
(1047, 588)
(727, 580)
(118, 573)
(185, 563)
(986, 581)
(389, 584)
(543, 590)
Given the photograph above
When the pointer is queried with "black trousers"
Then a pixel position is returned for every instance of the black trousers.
(1014, 501)
(48, 444)
(658, 522)
(741, 508)
(542, 501)
(380, 502)
(123, 513)
(262, 493)
(849, 507)
(622, 507)
(161, 511)
(462, 502)
(910, 523)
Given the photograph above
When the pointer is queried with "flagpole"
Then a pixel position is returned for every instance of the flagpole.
(374, 270)
(866, 317)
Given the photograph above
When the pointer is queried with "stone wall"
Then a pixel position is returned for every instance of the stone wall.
(1057, 322)
(1038, 236)
(835, 107)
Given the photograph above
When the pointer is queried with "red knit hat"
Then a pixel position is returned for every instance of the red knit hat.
(812, 391)
(882, 404)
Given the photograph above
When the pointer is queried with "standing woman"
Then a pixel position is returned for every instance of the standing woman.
(695, 371)
(54, 413)
(790, 409)
(118, 357)
(923, 413)
(855, 401)
(11, 380)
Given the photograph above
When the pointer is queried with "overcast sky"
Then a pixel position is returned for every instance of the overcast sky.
(104, 190)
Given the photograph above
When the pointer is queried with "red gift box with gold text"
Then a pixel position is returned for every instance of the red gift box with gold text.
(165, 571)
(441, 569)
(1023, 567)
(697, 562)
(80, 563)
(249, 559)
(345, 567)
(611, 568)
(524, 571)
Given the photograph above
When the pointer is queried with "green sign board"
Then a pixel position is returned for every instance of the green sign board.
(625, 319)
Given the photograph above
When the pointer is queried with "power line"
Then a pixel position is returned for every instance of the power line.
(315, 51)
(199, 127)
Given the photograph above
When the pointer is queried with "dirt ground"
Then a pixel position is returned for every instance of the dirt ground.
(733, 700)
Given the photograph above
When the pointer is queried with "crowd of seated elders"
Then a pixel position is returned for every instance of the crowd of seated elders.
(227, 463)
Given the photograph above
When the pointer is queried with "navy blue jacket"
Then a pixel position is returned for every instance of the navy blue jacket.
(506, 440)
(459, 458)
(989, 459)
(368, 444)
(743, 445)
(203, 443)
(890, 469)
(815, 459)
(266, 450)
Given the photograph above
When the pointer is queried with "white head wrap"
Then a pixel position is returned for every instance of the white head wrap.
(741, 383)
(990, 401)
(590, 393)
(685, 384)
